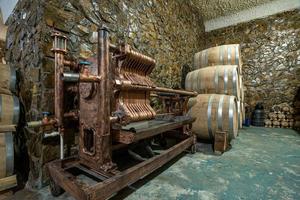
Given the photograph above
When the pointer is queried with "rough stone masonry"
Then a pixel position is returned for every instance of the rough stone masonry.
(169, 31)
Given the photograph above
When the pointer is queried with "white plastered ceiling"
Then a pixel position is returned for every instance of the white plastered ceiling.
(243, 11)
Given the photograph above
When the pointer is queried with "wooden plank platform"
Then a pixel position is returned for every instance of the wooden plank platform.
(108, 187)
(145, 129)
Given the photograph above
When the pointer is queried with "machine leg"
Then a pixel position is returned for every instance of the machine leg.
(55, 189)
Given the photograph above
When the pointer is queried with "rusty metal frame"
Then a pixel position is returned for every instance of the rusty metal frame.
(97, 115)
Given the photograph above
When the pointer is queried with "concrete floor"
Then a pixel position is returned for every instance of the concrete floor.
(263, 163)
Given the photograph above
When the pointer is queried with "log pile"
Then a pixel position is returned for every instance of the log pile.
(280, 116)
(297, 111)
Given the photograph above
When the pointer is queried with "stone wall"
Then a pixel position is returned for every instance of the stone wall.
(169, 31)
(270, 54)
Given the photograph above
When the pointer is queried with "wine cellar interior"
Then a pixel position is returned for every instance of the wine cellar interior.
(149, 99)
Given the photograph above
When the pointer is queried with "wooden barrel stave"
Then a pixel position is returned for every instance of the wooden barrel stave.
(220, 55)
(9, 109)
(221, 79)
(7, 79)
(213, 112)
(6, 154)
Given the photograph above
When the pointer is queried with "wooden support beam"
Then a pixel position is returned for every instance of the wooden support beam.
(220, 143)
(127, 137)
(107, 188)
(66, 180)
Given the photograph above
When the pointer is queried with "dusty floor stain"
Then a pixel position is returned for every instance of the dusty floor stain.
(263, 163)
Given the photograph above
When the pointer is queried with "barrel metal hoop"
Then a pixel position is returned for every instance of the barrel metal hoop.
(199, 83)
(234, 79)
(16, 110)
(228, 55)
(9, 153)
(13, 80)
(237, 54)
(209, 116)
(222, 55)
(217, 79)
(220, 111)
(225, 80)
(231, 102)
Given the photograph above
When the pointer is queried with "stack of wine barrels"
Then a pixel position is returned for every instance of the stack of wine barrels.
(218, 80)
(280, 116)
(9, 118)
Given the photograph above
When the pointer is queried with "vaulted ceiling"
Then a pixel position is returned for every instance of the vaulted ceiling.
(215, 8)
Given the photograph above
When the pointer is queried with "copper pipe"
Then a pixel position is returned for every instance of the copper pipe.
(126, 85)
(103, 96)
(59, 93)
(35, 124)
(89, 78)
(60, 49)
(76, 77)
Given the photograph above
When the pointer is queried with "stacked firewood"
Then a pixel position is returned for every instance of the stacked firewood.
(280, 116)
(297, 111)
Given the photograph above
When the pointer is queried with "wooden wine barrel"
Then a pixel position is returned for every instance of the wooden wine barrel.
(221, 79)
(9, 109)
(221, 55)
(3, 31)
(7, 79)
(214, 112)
(6, 154)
